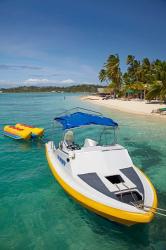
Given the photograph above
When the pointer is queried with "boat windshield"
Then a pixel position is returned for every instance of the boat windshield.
(103, 136)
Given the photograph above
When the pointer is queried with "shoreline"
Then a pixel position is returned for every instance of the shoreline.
(133, 106)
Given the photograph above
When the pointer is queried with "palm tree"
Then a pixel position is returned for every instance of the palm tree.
(134, 69)
(103, 75)
(114, 74)
(111, 73)
(130, 59)
(142, 77)
(158, 88)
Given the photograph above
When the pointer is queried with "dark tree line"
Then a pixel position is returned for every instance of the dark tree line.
(74, 89)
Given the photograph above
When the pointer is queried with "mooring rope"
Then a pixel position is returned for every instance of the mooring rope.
(144, 208)
(156, 208)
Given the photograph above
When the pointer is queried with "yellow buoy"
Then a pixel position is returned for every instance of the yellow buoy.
(16, 133)
(36, 132)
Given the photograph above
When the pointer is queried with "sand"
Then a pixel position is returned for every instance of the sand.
(133, 106)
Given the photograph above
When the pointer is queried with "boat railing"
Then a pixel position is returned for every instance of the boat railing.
(79, 109)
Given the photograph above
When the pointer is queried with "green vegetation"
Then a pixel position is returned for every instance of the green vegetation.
(143, 79)
(111, 73)
(73, 89)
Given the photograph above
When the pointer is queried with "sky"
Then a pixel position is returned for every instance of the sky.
(66, 42)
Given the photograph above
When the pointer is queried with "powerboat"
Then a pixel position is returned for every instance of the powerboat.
(100, 176)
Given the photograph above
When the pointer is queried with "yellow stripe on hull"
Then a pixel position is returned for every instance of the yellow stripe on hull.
(117, 215)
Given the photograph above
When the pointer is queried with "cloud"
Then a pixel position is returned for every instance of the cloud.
(36, 75)
(41, 82)
(68, 81)
(43, 75)
(36, 81)
(45, 81)
(19, 67)
(7, 84)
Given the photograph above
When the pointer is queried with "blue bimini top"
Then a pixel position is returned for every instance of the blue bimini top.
(78, 119)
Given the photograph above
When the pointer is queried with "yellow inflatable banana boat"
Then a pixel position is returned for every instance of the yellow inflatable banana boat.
(35, 132)
(17, 133)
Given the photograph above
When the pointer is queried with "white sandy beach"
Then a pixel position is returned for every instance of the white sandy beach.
(132, 106)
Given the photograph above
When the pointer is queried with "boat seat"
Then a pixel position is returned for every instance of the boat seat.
(69, 137)
(68, 143)
(68, 140)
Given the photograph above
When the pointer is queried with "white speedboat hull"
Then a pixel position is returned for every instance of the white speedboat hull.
(69, 174)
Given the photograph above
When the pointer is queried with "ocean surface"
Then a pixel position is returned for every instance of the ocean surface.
(35, 212)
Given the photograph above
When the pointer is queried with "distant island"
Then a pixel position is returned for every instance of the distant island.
(70, 89)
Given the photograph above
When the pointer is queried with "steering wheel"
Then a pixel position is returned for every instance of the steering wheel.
(73, 147)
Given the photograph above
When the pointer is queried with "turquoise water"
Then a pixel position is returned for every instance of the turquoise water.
(35, 213)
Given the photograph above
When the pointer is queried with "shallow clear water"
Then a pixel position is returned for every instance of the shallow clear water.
(35, 213)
